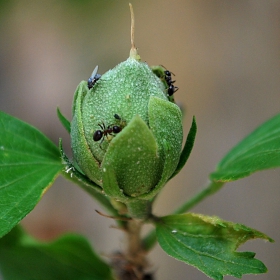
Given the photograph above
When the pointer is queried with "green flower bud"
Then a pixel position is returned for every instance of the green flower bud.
(126, 135)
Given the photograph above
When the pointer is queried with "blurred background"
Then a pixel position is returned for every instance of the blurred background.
(225, 55)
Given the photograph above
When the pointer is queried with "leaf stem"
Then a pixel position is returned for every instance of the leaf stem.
(150, 239)
(211, 188)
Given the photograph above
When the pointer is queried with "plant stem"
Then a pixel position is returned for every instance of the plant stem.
(212, 188)
(133, 239)
(132, 263)
(150, 240)
(140, 209)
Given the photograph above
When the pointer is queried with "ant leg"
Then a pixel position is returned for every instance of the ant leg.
(101, 143)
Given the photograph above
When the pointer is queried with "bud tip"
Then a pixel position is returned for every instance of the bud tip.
(133, 52)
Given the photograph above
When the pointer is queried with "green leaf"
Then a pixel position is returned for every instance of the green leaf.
(187, 148)
(63, 120)
(209, 244)
(68, 257)
(29, 163)
(258, 151)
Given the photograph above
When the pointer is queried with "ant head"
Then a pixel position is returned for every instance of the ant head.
(116, 129)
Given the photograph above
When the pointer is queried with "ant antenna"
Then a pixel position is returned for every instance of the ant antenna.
(167, 70)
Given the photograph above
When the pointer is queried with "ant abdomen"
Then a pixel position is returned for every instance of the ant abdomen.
(97, 135)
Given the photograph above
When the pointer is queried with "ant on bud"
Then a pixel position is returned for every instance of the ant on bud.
(111, 129)
(168, 78)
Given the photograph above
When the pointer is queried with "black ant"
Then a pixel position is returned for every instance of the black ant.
(168, 78)
(93, 78)
(171, 89)
(105, 131)
(168, 75)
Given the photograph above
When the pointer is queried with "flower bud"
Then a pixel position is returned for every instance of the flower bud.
(126, 135)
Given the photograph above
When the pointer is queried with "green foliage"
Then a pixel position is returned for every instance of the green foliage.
(209, 244)
(68, 257)
(29, 162)
(187, 148)
(258, 151)
(63, 120)
(134, 166)
(124, 174)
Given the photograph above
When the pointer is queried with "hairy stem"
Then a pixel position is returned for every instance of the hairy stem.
(132, 263)
(140, 209)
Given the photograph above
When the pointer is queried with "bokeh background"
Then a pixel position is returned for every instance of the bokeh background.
(225, 55)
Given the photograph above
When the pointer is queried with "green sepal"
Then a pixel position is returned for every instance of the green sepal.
(166, 124)
(135, 207)
(73, 173)
(158, 70)
(187, 148)
(111, 187)
(132, 155)
(82, 154)
(209, 244)
(66, 124)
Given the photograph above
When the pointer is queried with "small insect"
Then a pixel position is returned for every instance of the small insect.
(168, 76)
(93, 78)
(111, 129)
(122, 122)
(171, 89)
(117, 117)
(105, 131)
